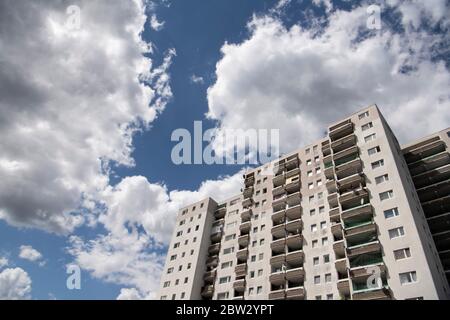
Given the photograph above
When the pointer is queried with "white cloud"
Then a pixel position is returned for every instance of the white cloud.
(31, 254)
(155, 24)
(15, 284)
(196, 79)
(130, 294)
(70, 101)
(300, 80)
(3, 262)
(139, 220)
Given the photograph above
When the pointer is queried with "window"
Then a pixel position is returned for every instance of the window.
(311, 199)
(330, 296)
(263, 227)
(163, 297)
(233, 202)
(325, 241)
(230, 237)
(177, 282)
(199, 216)
(250, 291)
(373, 150)
(231, 225)
(312, 212)
(226, 264)
(170, 270)
(408, 277)
(225, 279)
(323, 225)
(318, 170)
(174, 296)
(319, 183)
(310, 173)
(180, 268)
(315, 261)
(264, 190)
(263, 202)
(260, 272)
(192, 218)
(196, 227)
(228, 250)
(258, 290)
(381, 179)
(363, 115)
(313, 227)
(310, 185)
(315, 243)
(195, 239)
(179, 233)
(316, 279)
(326, 258)
(176, 245)
(370, 137)
(166, 284)
(253, 258)
(367, 126)
(184, 212)
(189, 265)
(252, 274)
(320, 195)
(391, 213)
(189, 230)
(386, 195)
(315, 149)
(261, 242)
(321, 209)
(255, 229)
(307, 151)
(201, 205)
(327, 277)
(261, 256)
(377, 164)
(402, 253)
(254, 243)
(173, 257)
(316, 159)
(318, 297)
(223, 295)
(396, 232)
(308, 162)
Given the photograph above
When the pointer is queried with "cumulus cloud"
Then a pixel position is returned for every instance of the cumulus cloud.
(129, 294)
(196, 79)
(70, 100)
(139, 220)
(300, 79)
(15, 284)
(31, 254)
(3, 262)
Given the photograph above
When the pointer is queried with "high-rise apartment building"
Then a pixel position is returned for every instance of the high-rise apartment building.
(338, 219)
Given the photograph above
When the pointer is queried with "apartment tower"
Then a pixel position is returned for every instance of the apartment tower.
(338, 219)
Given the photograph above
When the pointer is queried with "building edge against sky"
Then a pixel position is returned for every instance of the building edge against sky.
(351, 216)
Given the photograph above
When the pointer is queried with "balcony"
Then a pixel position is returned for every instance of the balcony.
(331, 186)
(294, 212)
(242, 254)
(355, 181)
(360, 232)
(372, 294)
(278, 231)
(294, 241)
(278, 246)
(293, 199)
(344, 143)
(277, 277)
(295, 293)
(210, 276)
(207, 291)
(277, 295)
(434, 191)
(292, 163)
(241, 270)
(432, 176)
(361, 273)
(335, 214)
(353, 197)
(248, 192)
(436, 207)
(336, 230)
(292, 173)
(243, 240)
(246, 215)
(278, 217)
(329, 171)
(214, 249)
(366, 248)
(249, 179)
(239, 285)
(333, 200)
(212, 262)
(429, 163)
(440, 223)
(294, 226)
(346, 153)
(278, 260)
(279, 202)
(424, 150)
(292, 184)
(247, 203)
(295, 274)
(295, 258)
(244, 228)
(364, 211)
(341, 265)
(278, 191)
(349, 168)
(340, 130)
(278, 180)
(220, 213)
(216, 236)
(343, 286)
(339, 249)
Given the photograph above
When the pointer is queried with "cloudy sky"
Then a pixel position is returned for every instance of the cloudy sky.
(91, 91)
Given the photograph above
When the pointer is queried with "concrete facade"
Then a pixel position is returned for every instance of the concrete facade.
(337, 219)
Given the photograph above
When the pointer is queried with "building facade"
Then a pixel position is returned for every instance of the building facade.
(338, 219)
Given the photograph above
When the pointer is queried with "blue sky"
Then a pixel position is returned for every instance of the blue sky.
(303, 62)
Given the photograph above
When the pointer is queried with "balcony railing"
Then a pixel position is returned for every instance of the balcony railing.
(357, 212)
(295, 293)
(340, 130)
(343, 143)
(207, 291)
(294, 212)
(365, 248)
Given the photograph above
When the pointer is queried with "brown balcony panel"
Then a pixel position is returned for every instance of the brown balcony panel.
(295, 257)
(243, 240)
(278, 245)
(361, 230)
(212, 261)
(343, 143)
(333, 200)
(278, 217)
(329, 172)
(296, 293)
(294, 199)
(336, 230)
(220, 213)
(335, 214)
(241, 270)
(278, 231)
(350, 168)
(364, 272)
(277, 278)
(331, 186)
(340, 130)
(379, 294)
(293, 172)
(355, 181)
(293, 186)
(239, 285)
(432, 177)
(369, 248)
(248, 192)
(353, 196)
(296, 274)
(341, 265)
(278, 260)
(430, 163)
(292, 163)
(214, 248)
(435, 191)
(294, 226)
(359, 211)
(245, 227)
(278, 180)
(278, 190)
(345, 153)
(210, 276)
(242, 254)
(339, 248)
(436, 207)
(249, 181)
(216, 237)
(294, 241)
(208, 291)
(246, 215)
(424, 151)
(277, 295)
(344, 287)
(294, 212)
(247, 203)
